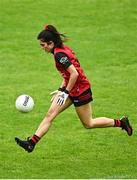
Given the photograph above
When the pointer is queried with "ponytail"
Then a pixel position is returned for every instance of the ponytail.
(50, 33)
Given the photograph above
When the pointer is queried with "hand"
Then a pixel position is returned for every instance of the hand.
(53, 94)
(62, 98)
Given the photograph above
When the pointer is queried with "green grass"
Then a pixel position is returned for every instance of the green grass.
(103, 35)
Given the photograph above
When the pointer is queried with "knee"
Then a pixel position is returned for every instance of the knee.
(88, 124)
(51, 114)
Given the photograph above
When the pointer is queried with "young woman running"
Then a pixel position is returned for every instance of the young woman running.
(75, 89)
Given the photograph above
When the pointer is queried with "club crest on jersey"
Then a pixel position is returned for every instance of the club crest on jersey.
(63, 60)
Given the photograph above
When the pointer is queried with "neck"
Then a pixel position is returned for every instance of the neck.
(52, 51)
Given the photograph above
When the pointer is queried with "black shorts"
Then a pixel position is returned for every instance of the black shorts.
(82, 99)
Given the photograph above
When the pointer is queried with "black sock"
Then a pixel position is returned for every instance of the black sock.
(35, 139)
(117, 123)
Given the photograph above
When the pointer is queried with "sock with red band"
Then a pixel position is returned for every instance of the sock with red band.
(35, 139)
(117, 123)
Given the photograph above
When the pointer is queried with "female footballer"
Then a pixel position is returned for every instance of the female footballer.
(75, 89)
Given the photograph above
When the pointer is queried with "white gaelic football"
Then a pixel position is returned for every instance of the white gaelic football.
(24, 103)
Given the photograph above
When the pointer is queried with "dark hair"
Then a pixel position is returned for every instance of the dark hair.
(50, 33)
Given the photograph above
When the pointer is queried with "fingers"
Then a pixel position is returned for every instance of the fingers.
(52, 98)
(60, 101)
(62, 98)
(54, 92)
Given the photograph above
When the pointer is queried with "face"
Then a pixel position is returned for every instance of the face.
(47, 46)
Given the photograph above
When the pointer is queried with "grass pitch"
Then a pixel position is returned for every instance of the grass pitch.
(103, 35)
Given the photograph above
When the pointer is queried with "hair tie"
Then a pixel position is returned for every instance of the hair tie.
(46, 28)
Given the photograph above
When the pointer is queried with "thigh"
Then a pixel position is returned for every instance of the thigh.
(84, 113)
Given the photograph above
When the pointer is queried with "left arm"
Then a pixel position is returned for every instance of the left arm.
(73, 77)
(72, 80)
(64, 60)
